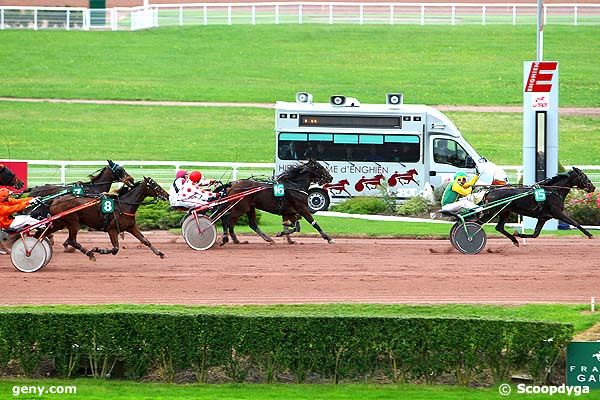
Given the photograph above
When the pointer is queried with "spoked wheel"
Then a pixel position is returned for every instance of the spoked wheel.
(37, 258)
(199, 233)
(469, 238)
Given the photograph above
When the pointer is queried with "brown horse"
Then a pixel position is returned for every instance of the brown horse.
(8, 178)
(121, 220)
(99, 182)
(292, 206)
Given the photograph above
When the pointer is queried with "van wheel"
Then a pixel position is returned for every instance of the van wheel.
(318, 200)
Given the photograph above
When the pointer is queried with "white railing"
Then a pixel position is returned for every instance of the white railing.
(119, 18)
(51, 171)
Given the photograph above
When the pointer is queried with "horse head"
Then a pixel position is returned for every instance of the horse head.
(119, 173)
(153, 189)
(580, 180)
(318, 173)
(8, 178)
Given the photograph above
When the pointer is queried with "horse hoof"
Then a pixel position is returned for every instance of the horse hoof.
(162, 255)
(591, 237)
(331, 241)
(516, 244)
(70, 250)
(92, 258)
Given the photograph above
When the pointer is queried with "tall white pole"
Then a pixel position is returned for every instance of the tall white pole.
(540, 30)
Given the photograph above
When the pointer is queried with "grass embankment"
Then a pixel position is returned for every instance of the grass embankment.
(430, 64)
(96, 132)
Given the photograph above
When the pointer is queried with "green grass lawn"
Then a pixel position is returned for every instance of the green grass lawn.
(88, 389)
(430, 64)
(96, 132)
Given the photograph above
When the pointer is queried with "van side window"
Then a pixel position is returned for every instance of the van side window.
(352, 148)
(447, 151)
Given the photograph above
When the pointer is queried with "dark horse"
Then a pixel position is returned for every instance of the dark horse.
(8, 178)
(99, 183)
(292, 206)
(557, 188)
(121, 220)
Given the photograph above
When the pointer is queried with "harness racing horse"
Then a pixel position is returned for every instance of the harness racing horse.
(8, 178)
(557, 188)
(121, 220)
(292, 206)
(99, 183)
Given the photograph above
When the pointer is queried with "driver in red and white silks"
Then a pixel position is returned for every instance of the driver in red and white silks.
(194, 192)
(9, 206)
(458, 194)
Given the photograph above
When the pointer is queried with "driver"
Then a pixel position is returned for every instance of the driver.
(458, 194)
(194, 191)
(9, 206)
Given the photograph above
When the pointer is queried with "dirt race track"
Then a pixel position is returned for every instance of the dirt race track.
(349, 271)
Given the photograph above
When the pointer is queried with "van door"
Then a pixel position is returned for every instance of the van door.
(447, 157)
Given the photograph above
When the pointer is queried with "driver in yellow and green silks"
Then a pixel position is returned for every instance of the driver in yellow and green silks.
(458, 194)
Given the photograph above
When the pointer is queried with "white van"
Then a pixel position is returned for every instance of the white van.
(366, 145)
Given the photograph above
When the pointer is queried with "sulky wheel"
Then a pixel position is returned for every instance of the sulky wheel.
(469, 238)
(199, 233)
(49, 251)
(37, 258)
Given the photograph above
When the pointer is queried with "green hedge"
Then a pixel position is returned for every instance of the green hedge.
(160, 215)
(354, 349)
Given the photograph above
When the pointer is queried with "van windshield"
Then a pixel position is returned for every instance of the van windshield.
(350, 147)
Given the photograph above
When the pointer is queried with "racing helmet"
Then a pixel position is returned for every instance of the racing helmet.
(195, 176)
(180, 174)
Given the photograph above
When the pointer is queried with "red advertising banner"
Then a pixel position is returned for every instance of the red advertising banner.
(539, 81)
(19, 168)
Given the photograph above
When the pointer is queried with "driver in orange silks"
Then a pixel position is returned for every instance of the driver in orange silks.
(9, 206)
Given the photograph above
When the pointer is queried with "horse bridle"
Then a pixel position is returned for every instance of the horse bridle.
(119, 172)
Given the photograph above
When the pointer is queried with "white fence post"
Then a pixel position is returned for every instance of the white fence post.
(300, 13)
(113, 18)
(2, 18)
(253, 14)
(180, 15)
(35, 27)
(575, 15)
(68, 27)
(229, 15)
(276, 14)
(422, 15)
(205, 15)
(330, 14)
(361, 14)
(482, 15)
(514, 15)
(234, 173)
(453, 14)
(155, 14)
(63, 174)
(391, 14)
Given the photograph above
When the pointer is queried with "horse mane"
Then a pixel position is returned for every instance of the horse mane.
(553, 180)
(291, 173)
(96, 175)
(126, 189)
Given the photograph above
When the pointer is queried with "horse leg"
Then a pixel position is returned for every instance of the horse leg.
(234, 238)
(569, 220)
(72, 241)
(500, 227)
(138, 235)
(68, 249)
(114, 240)
(225, 223)
(308, 216)
(251, 214)
(538, 228)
